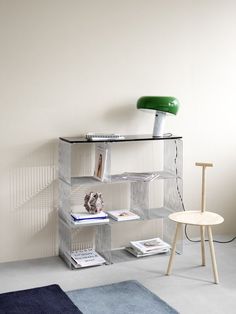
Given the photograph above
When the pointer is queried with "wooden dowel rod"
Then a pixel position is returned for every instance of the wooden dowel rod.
(204, 164)
(169, 268)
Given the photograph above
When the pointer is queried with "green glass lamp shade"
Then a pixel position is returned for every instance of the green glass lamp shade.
(159, 103)
(162, 105)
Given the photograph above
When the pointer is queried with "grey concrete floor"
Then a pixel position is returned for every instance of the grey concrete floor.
(190, 289)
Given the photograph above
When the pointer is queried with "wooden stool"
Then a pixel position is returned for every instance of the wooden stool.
(198, 218)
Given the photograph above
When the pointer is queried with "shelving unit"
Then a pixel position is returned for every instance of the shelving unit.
(76, 179)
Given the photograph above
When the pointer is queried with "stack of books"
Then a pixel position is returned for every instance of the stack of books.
(103, 136)
(148, 247)
(87, 257)
(122, 215)
(86, 218)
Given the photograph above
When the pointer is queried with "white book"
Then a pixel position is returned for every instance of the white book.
(91, 221)
(122, 215)
(87, 257)
(100, 169)
(87, 216)
(137, 253)
(149, 245)
(103, 136)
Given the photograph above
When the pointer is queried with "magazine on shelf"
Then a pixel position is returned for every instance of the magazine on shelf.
(140, 176)
(135, 176)
(87, 257)
(101, 155)
(87, 216)
(122, 215)
(149, 245)
(137, 253)
(103, 136)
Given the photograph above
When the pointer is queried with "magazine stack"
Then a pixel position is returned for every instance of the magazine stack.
(86, 258)
(148, 247)
(86, 218)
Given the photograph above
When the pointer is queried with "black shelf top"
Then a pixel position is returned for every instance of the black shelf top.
(127, 138)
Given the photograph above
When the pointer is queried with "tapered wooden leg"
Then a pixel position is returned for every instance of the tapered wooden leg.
(173, 250)
(213, 258)
(203, 245)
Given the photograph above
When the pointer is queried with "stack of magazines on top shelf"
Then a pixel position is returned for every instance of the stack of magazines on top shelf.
(86, 218)
(148, 247)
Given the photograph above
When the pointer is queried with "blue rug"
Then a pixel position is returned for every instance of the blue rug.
(44, 300)
(127, 297)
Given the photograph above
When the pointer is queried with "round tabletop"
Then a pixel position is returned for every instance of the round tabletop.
(197, 218)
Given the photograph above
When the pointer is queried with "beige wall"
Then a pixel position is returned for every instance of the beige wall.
(73, 66)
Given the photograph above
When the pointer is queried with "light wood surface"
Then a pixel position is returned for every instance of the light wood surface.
(169, 268)
(204, 164)
(197, 218)
(203, 245)
(203, 219)
(213, 257)
(203, 199)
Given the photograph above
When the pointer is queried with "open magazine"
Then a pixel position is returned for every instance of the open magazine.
(122, 215)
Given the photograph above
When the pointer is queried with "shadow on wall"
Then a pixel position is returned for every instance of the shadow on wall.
(33, 203)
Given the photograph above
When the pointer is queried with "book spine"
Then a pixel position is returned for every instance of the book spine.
(93, 221)
(92, 218)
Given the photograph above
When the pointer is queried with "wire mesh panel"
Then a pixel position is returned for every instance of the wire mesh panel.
(65, 161)
(103, 241)
(140, 198)
(173, 189)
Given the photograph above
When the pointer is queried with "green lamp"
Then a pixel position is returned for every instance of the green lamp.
(162, 105)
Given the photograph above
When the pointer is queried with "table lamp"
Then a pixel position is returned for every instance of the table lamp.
(163, 105)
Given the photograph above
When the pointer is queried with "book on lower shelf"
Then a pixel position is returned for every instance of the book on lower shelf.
(87, 257)
(155, 245)
(122, 215)
(137, 253)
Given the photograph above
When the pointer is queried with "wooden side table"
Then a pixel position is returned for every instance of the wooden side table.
(203, 219)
